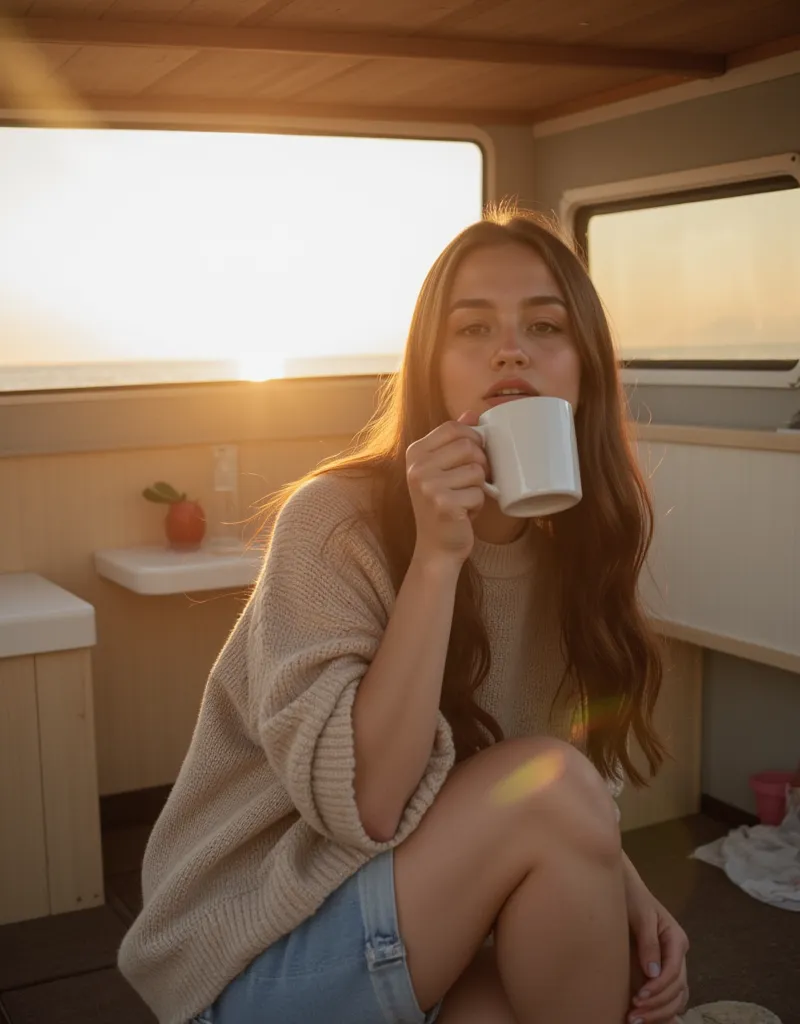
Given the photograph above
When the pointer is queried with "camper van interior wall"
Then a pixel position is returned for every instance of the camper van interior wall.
(185, 521)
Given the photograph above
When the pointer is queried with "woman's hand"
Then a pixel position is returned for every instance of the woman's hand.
(446, 470)
(659, 950)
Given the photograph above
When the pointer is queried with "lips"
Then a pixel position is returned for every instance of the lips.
(512, 384)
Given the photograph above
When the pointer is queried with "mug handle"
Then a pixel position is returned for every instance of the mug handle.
(490, 489)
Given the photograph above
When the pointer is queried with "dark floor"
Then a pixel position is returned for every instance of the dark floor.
(61, 970)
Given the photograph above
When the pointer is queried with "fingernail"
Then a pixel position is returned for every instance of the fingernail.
(644, 994)
(653, 970)
(638, 1020)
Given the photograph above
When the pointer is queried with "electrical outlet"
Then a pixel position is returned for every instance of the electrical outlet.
(226, 467)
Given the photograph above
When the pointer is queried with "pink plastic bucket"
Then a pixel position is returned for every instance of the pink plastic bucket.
(770, 791)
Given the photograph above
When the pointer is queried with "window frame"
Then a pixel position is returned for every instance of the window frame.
(743, 177)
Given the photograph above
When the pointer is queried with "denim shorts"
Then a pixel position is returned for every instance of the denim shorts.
(344, 965)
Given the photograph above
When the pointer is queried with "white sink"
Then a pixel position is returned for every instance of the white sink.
(36, 616)
(159, 570)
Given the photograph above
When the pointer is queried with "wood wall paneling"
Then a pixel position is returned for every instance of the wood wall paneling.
(726, 553)
(153, 654)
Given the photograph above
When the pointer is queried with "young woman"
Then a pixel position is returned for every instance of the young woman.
(396, 804)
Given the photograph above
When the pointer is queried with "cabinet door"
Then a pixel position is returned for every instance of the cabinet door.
(23, 861)
(69, 780)
(675, 791)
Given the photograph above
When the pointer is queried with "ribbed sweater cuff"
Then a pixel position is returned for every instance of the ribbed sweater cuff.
(333, 780)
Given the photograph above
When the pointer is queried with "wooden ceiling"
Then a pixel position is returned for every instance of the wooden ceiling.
(459, 61)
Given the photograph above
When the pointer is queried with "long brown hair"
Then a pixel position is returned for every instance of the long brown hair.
(599, 545)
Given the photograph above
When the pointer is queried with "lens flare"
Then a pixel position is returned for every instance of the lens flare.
(597, 713)
(531, 777)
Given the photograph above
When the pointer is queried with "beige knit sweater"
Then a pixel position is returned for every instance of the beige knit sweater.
(261, 824)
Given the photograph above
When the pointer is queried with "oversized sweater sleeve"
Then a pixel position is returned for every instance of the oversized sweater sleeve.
(321, 606)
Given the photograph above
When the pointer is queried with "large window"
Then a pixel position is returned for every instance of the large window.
(130, 257)
(702, 279)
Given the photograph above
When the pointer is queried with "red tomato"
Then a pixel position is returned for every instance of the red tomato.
(185, 525)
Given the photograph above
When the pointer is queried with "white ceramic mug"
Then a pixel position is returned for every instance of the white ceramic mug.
(533, 456)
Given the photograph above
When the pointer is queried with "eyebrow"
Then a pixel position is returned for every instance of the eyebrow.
(533, 300)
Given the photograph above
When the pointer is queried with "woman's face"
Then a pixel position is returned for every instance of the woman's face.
(506, 329)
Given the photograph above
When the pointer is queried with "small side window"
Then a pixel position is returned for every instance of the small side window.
(701, 284)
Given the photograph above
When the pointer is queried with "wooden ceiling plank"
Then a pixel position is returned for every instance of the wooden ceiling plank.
(562, 21)
(118, 71)
(356, 44)
(711, 27)
(249, 75)
(409, 16)
(267, 10)
(221, 12)
(47, 59)
(146, 10)
(68, 8)
(466, 14)
(720, 27)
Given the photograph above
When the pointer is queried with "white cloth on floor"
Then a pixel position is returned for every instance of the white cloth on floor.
(763, 860)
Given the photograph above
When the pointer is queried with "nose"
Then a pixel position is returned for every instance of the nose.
(510, 353)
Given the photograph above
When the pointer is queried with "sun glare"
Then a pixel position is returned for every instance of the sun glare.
(258, 366)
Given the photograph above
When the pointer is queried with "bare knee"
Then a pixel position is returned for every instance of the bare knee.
(504, 814)
(543, 781)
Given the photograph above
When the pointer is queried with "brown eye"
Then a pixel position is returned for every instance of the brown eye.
(543, 328)
(473, 330)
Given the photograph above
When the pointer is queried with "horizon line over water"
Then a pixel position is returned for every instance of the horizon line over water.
(143, 373)
(140, 373)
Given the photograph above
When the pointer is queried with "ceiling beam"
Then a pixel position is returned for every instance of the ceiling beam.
(616, 94)
(89, 108)
(632, 90)
(87, 32)
(765, 51)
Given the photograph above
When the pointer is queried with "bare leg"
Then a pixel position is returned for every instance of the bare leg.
(478, 997)
(545, 868)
